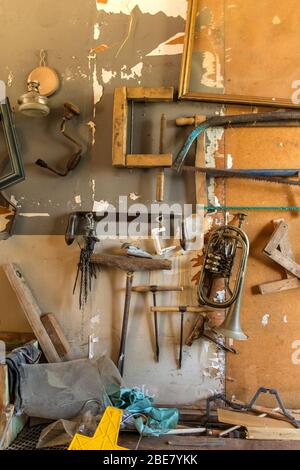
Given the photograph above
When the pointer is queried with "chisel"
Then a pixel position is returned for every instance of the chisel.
(154, 290)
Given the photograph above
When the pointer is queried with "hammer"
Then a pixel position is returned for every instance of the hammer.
(154, 290)
(182, 309)
(130, 265)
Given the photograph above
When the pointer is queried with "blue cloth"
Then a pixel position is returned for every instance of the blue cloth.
(133, 400)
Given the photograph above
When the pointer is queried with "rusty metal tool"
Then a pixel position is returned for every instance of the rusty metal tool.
(242, 174)
(198, 332)
(277, 118)
(130, 265)
(248, 407)
(154, 290)
(182, 309)
(70, 111)
(160, 179)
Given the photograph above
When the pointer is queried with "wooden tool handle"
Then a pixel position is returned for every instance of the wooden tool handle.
(160, 179)
(184, 121)
(130, 263)
(188, 309)
(157, 289)
(160, 185)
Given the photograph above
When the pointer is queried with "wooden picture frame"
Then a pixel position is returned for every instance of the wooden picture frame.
(185, 91)
(122, 97)
(13, 150)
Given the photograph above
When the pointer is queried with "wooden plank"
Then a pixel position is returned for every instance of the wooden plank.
(4, 394)
(286, 263)
(279, 286)
(276, 238)
(119, 133)
(203, 443)
(150, 94)
(246, 419)
(56, 334)
(31, 310)
(271, 433)
(13, 339)
(6, 416)
(149, 160)
(131, 263)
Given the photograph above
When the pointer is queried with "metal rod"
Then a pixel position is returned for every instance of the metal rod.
(181, 340)
(225, 173)
(156, 328)
(229, 121)
(129, 280)
(252, 208)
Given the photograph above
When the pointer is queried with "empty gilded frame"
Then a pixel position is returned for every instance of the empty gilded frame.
(244, 52)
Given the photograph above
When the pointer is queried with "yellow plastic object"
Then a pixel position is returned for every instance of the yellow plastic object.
(106, 435)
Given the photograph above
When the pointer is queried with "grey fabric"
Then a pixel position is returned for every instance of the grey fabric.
(59, 391)
(27, 354)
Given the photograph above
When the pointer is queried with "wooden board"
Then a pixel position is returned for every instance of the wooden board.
(273, 433)
(119, 136)
(13, 340)
(4, 397)
(199, 443)
(56, 334)
(150, 94)
(271, 356)
(31, 310)
(152, 160)
(246, 419)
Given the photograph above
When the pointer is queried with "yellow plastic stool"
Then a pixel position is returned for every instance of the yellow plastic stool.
(106, 435)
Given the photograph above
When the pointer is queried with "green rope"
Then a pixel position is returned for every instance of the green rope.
(252, 208)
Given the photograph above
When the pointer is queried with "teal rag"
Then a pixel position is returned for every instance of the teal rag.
(133, 400)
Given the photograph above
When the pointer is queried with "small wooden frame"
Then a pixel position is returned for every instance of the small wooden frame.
(120, 158)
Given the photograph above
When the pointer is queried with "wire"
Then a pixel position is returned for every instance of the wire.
(252, 208)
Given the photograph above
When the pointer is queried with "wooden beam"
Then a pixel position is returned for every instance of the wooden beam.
(149, 160)
(56, 334)
(150, 94)
(246, 419)
(119, 133)
(31, 310)
(279, 286)
(13, 339)
(130, 263)
(4, 395)
(286, 263)
(270, 433)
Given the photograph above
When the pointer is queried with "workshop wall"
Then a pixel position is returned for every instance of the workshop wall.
(96, 46)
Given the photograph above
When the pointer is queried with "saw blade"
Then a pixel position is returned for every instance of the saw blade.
(219, 173)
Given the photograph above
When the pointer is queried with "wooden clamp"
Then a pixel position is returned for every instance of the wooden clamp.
(279, 250)
(122, 96)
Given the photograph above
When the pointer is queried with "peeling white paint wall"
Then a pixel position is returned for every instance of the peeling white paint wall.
(169, 7)
(168, 49)
(212, 76)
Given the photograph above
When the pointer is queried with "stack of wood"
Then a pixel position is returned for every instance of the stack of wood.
(261, 423)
